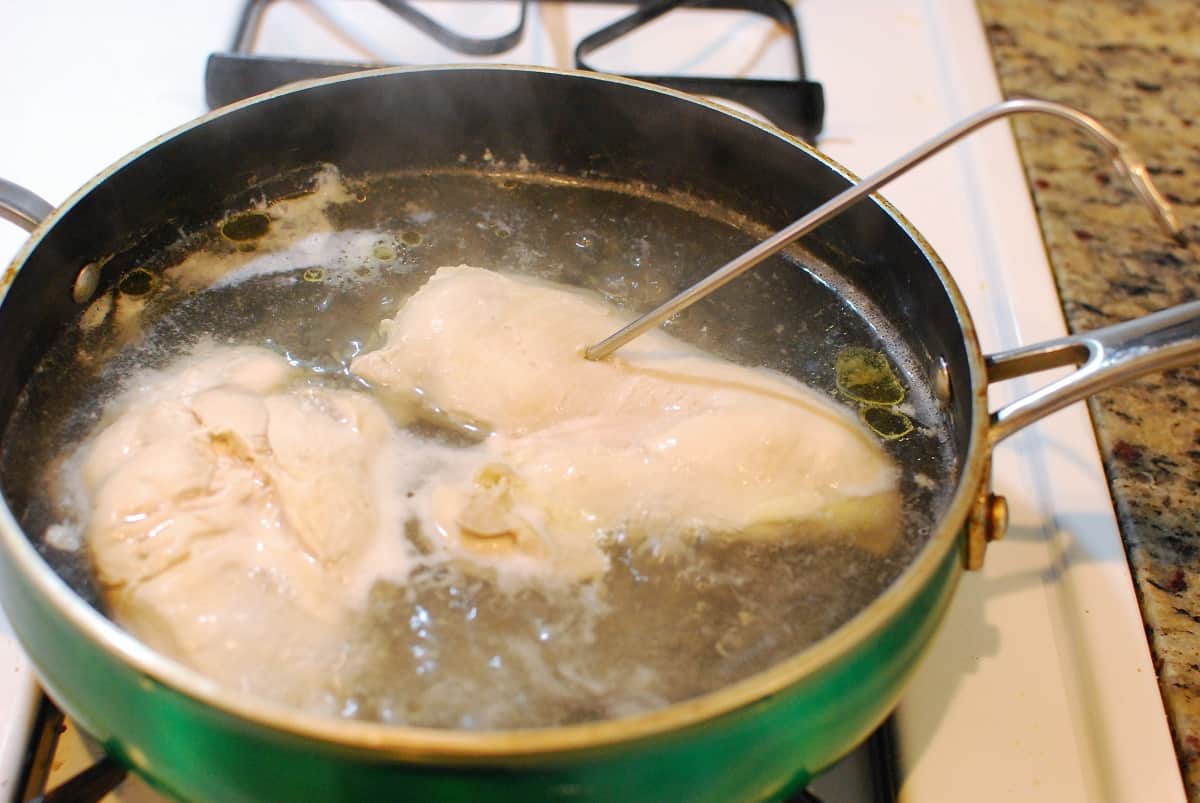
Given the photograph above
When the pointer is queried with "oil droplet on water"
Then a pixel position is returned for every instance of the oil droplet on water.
(314, 275)
(383, 251)
(865, 375)
(249, 226)
(411, 238)
(137, 282)
(886, 422)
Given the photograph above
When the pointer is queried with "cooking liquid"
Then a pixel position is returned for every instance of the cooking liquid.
(447, 646)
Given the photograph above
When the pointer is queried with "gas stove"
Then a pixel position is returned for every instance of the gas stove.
(1039, 686)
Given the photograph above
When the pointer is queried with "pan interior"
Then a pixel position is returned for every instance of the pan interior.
(702, 621)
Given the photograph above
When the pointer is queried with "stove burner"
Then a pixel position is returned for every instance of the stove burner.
(797, 105)
(89, 786)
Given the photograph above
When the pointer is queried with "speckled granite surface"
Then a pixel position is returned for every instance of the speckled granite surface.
(1136, 67)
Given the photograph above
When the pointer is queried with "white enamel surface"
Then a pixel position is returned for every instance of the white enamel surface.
(1039, 687)
(18, 696)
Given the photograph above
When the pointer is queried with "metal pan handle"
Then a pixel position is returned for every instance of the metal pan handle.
(21, 206)
(1127, 163)
(1105, 358)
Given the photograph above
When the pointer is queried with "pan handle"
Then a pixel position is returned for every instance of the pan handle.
(21, 206)
(1105, 358)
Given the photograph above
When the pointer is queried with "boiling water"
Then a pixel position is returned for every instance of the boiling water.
(312, 276)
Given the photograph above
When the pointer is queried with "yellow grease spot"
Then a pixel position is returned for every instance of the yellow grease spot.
(314, 275)
(865, 375)
(886, 422)
(411, 238)
(383, 251)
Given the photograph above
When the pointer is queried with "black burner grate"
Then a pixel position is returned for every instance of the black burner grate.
(796, 105)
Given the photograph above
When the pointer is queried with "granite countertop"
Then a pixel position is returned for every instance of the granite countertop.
(1135, 65)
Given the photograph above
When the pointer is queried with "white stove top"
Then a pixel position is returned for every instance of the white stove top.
(1039, 686)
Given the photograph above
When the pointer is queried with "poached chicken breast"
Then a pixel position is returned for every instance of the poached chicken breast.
(660, 439)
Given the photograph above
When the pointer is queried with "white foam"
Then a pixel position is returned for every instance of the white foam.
(342, 256)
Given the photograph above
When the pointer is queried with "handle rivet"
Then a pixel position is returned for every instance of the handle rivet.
(988, 522)
(941, 381)
(997, 517)
(86, 283)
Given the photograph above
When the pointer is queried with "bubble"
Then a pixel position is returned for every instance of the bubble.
(732, 642)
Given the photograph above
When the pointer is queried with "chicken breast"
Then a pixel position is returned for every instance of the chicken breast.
(235, 519)
(660, 440)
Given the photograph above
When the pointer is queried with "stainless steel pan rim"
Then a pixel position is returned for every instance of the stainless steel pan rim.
(427, 744)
